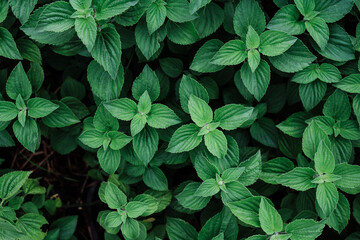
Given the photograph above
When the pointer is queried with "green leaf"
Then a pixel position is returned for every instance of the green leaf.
(210, 19)
(104, 121)
(28, 135)
(148, 44)
(318, 30)
(109, 159)
(155, 179)
(296, 58)
(287, 19)
(337, 106)
(349, 176)
(113, 220)
(124, 109)
(22, 9)
(216, 143)
(188, 199)
(144, 104)
(312, 137)
(252, 169)
(30, 224)
(312, 93)
(305, 6)
(202, 60)
(195, 5)
(146, 81)
(350, 84)
(324, 159)
(135, 209)
(18, 83)
(8, 111)
(248, 13)
(252, 38)
(172, 67)
(29, 50)
(232, 174)
(258, 81)
(178, 229)
(247, 210)
(294, 125)
(107, 50)
(106, 9)
(328, 73)
(40, 107)
(92, 138)
(182, 33)
(333, 10)
(253, 59)
(56, 17)
(200, 112)
(340, 217)
(130, 228)
(8, 47)
(5, 139)
(137, 124)
(299, 179)
(161, 116)
(10, 183)
(114, 197)
(304, 229)
(4, 7)
(265, 132)
(327, 197)
(108, 88)
(274, 168)
(178, 11)
(208, 188)
(339, 47)
(231, 53)
(232, 116)
(80, 4)
(118, 140)
(145, 144)
(184, 139)
(67, 226)
(270, 219)
(86, 30)
(155, 15)
(274, 43)
(188, 87)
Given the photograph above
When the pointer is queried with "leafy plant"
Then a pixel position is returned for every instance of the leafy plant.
(194, 119)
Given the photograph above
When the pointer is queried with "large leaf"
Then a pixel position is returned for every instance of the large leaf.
(258, 81)
(327, 197)
(216, 143)
(22, 9)
(184, 139)
(202, 60)
(109, 159)
(11, 183)
(200, 111)
(231, 53)
(312, 137)
(299, 179)
(146, 81)
(28, 135)
(318, 30)
(304, 229)
(154, 178)
(188, 87)
(270, 219)
(178, 229)
(274, 43)
(145, 144)
(232, 116)
(333, 10)
(188, 199)
(312, 93)
(350, 84)
(109, 8)
(18, 83)
(155, 16)
(178, 11)
(86, 30)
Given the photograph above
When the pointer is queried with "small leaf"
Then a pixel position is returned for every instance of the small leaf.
(10, 183)
(231, 53)
(184, 139)
(216, 143)
(200, 112)
(270, 219)
(114, 197)
(324, 159)
(18, 83)
(274, 43)
(40, 107)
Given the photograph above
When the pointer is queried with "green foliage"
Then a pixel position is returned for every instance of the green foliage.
(197, 119)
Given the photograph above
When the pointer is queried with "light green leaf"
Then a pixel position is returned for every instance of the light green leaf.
(92, 138)
(145, 144)
(350, 84)
(104, 121)
(270, 219)
(232, 116)
(114, 197)
(318, 30)
(231, 53)
(162, 116)
(113, 220)
(247, 210)
(146, 81)
(312, 137)
(154, 178)
(135, 209)
(18, 83)
(137, 124)
(195, 5)
(80, 4)
(340, 217)
(28, 135)
(184, 139)
(324, 159)
(56, 17)
(252, 38)
(296, 58)
(200, 112)
(203, 58)
(22, 9)
(10, 183)
(274, 43)
(216, 143)
(178, 11)
(178, 229)
(109, 160)
(130, 228)
(328, 73)
(274, 168)
(144, 104)
(327, 197)
(86, 30)
(107, 50)
(106, 9)
(287, 19)
(258, 81)
(155, 15)
(182, 33)
(304, 229)
(350, 175)
(253, 59)
(118, 140)
(208, 188)
(30, 224)
(333, 10)
(305, 6)
(248, 13)
(232, 174)
(299, 179)
(188, 199)
(40, 107)
(8, 111)
(124, 109)
(294, 125)
(252, 169)
(188, 87)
